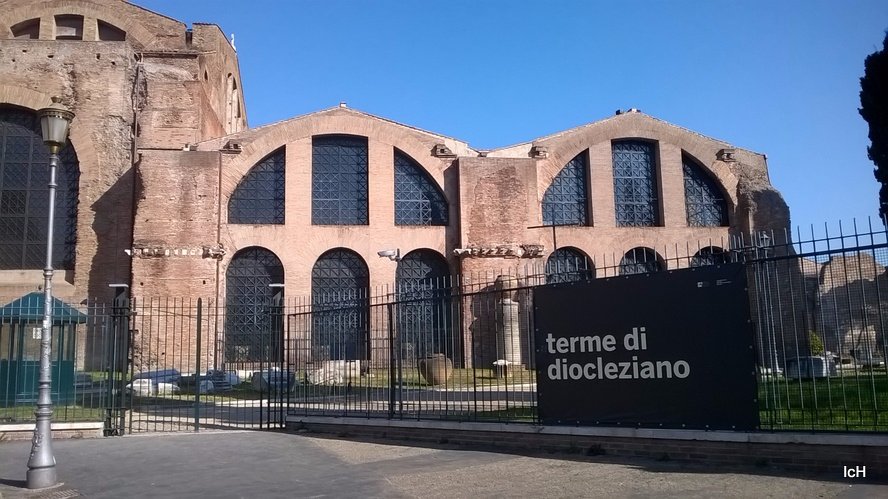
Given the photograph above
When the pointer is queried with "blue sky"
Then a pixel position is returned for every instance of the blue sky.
(778, 77)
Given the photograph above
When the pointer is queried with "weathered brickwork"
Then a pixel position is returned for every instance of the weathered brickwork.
(161, 136)
(162, 87)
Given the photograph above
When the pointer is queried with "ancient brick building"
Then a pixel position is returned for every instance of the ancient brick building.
(167, 189)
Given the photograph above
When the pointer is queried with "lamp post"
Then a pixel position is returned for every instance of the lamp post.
(54, 121)
(765, 246)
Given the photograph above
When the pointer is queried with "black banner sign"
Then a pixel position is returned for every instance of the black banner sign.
(661, 350)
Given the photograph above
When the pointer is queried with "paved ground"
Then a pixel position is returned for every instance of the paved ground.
(262, 464)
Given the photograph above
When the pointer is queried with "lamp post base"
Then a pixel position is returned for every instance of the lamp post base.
(41, 478)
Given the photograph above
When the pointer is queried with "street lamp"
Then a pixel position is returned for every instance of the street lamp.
(54, 121)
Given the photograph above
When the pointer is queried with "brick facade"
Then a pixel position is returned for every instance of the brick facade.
(161, 136)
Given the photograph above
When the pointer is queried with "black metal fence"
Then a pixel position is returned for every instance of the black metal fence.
(139, 366)
(457, 349)
(821, 306)
(449, 348)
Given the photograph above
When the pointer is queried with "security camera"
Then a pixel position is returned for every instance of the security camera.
(392, 254)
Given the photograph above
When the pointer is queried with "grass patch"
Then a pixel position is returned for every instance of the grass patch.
(61, 414)
(851, 402)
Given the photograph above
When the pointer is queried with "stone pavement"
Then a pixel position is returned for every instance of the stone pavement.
(232, 464)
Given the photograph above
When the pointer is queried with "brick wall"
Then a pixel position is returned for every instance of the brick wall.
(826, 454)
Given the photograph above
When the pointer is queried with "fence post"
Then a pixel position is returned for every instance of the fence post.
(275, 353)
(391, 338)
(119, 341)
(197, 367)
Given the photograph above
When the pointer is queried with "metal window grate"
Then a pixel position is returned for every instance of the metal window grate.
(340, 285)
(418, 201)
(704, 202)
(565, 201)
(339, 181)
(710, 255)
(568, 265)
(24, 198)
(640, 261)
(259, 197)
(635, 184)
(248, 329)
(424, 320)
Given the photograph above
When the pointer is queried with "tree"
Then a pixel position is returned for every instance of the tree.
(874, 109)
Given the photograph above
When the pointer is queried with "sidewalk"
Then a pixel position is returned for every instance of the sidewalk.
(266, 464)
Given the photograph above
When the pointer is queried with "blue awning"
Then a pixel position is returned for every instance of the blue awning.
(29, 308)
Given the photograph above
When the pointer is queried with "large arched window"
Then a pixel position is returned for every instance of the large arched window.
(568, 265)
(425, 324)
(259, 197)
(110, 33)
(339, 180)
(640, 261)
(249, 335)
(565, 201)
(635, 184)
(704, 201)
(24, 197)
(418, 201)
(710, 255)
(340, 286)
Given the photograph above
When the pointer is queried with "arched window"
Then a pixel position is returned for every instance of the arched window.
(425, 324)
(640, 261)
(704, 201)
(232, 107)
(340, 286)
(27, 30)
(710, 255)
(635, 184)
(339, 180)
(418, 201)
(24, 198)
(110, 33)
(568, 265)
(259, 197)
(249, 335)
(69, 27)
(564, 202)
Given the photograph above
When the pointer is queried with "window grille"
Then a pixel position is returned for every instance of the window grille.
(568, 265)
(24, 197)
(339, 181)
(425, 325)
(640, 261)
(418, 201)
(704, 202)
(340, 286)
(248, 300)
(565, 201)
(711, 255)
(259, 198)
(635, 184)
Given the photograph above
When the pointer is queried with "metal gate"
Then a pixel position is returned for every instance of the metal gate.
(169, 367)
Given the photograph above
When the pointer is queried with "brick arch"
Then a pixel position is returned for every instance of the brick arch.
(79, 136)
(116, 17)
(416, 145)
(267, 139)
(566, 146)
